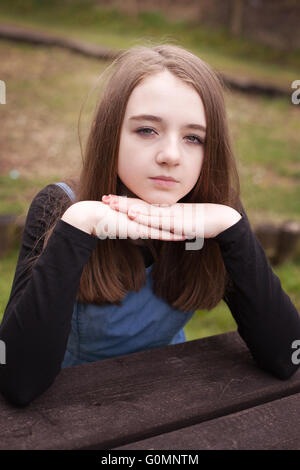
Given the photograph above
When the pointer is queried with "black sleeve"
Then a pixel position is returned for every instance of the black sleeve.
(266, 318)
(37, 318)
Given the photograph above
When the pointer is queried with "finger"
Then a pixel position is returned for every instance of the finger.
(169, 222)
(121, 226)
(160, 222)
(123, 204)
(136, 230)
(105, 199)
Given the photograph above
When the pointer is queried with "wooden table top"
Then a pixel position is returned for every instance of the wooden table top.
(203, 394)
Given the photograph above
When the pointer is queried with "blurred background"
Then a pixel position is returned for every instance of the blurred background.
(51, 55)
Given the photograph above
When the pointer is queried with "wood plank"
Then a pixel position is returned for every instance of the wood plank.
(125, 399)
(272, 426)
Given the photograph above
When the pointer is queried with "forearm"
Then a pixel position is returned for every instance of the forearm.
(35, 329)
(228, 217)
(267, 319)
(78, 215)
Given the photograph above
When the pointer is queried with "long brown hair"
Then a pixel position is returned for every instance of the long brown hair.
(186, 279)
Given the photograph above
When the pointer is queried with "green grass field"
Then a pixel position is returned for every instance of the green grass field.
(46, 87)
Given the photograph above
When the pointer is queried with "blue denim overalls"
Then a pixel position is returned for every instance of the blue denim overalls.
(143, 321)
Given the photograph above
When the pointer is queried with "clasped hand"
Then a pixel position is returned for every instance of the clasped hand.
(178, 221)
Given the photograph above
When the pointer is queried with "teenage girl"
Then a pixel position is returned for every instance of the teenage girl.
(94, 281)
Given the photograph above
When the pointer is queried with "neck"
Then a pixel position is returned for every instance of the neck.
(122, 190)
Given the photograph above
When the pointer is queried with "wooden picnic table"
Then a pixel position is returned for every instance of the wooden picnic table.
(203, 394)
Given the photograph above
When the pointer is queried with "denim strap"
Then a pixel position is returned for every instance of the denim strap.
(67, 190)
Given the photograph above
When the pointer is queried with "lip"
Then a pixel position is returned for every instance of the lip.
(164, 178)
(164, 182)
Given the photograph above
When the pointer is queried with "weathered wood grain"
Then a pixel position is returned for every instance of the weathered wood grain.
(118, 401)
(273, 426)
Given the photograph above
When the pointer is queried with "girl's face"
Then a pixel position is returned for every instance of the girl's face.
(169, 143)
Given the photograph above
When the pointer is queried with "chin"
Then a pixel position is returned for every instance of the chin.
(167, 201)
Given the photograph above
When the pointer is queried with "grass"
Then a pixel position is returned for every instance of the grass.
(219, 320)
(38, 131)
(15, 193)
(7, 272)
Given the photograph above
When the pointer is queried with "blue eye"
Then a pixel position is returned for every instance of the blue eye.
(198, 139)
(143, 129)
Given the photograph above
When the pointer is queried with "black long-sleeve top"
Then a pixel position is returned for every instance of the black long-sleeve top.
(37, 319)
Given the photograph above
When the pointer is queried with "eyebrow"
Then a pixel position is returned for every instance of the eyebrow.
(150, 117)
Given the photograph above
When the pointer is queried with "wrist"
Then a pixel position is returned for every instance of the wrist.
(76, 215)
(229, 218)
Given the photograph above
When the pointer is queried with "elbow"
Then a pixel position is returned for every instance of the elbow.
(280, 369)
(285, 373)
(21, 395)
(16, 392)
(285, 368)
(18, 399)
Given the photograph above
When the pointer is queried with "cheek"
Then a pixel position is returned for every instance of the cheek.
(193, 172)
(196, 164)
(199, 163)
(129, 168)
(128, 151)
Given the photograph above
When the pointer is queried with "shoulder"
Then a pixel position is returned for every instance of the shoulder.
(47, 199)
(51, 193)
(46, 206)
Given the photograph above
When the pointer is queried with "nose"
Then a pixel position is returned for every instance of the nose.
(169, 152)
